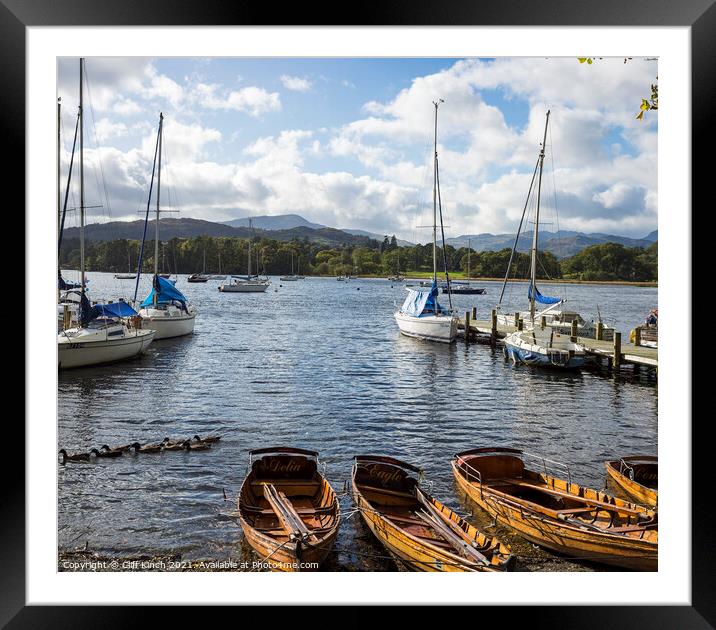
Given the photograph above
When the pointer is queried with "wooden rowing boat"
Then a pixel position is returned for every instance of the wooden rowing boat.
(288, 511)
(557, 514)
(422, 532)
(638, 476)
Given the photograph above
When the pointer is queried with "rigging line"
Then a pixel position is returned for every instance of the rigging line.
(67, 189)
(519, 229)
(99, 154)
(554, 190)
(442, 231)
(146, 219)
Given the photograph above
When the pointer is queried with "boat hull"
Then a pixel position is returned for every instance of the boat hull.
(168, 326)
(81, 354)
(298, 480)
(392, 513)
(243, 288)
(564, 355)
(440, 328)
(611, 549)
(638, 492)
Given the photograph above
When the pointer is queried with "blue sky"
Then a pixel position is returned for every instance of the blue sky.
(347, 142)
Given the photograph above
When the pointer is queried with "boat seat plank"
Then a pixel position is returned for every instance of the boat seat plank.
(394, 493)
(574, 497)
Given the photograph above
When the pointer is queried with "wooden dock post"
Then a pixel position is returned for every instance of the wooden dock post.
(474, 313)
(520, 324)
(65, 316)
(543, 322)
(599, 331)
(493, 327)
(573, 332)
(517, 320)
(637, 336)
(617, 350)
(467, 326)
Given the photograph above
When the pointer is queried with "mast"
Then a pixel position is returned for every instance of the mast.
(468, 260)
(533, 264)
(156, 227)
(82, 186)
(59, 194)
(250, 231)
(435, 195)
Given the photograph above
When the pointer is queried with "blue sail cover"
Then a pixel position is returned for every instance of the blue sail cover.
(542, 299)
(422, 301)
(166, 292)
(115, 309)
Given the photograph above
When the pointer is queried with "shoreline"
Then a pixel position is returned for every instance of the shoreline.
(630, 283)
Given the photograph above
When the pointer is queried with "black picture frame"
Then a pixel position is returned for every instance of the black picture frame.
(699, 15)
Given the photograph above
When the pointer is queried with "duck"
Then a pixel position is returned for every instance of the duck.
(175, 446)
(76, 457)
(207, 440)
(149, 448)
(196, 446)
(105, 451)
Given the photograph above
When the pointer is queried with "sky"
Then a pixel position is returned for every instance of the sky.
(348, 142)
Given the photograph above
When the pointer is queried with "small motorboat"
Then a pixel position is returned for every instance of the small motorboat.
(556, 513)
(638, 476)
(197, 277)
(419, 530)
(287, 510)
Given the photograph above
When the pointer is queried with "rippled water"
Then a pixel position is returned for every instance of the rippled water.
(320, 364)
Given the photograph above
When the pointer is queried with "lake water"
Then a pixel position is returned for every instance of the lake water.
(320, 364)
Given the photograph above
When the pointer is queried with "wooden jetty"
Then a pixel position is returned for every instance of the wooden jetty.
(612, 353)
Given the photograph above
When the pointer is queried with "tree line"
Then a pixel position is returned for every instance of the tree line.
(229, 255)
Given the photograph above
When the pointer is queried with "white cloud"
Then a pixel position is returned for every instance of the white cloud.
(297, 84)
(252, 100)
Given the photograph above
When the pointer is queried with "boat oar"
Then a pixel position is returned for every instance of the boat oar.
(463, 547)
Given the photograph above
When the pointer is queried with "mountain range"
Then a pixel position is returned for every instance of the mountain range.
(287, 227)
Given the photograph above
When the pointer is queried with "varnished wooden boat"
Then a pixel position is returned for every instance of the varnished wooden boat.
(638, 476)
(422, 532)
(288, 511)
(557, 514)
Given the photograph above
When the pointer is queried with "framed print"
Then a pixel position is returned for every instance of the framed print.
(368, 303)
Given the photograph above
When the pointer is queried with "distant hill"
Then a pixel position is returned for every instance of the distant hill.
(562, 244)
(276, 222)
(289, 221)
(377, 237)
(188, 228)
(652, 236)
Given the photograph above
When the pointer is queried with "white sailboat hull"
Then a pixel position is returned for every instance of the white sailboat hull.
(243, 288)
(168, 323)
(74, 352)
(441, 328)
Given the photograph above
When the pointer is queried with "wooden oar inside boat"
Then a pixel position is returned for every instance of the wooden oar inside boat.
(422, 532)
(288, 511)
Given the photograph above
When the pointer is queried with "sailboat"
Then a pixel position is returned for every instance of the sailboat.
(421, 315)
(165, 309)
(537, 344)
(218, 276)
(129, 275)
(249, 284)
(106, 332)
(199, 277)
(292, 277)
(464, 288)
